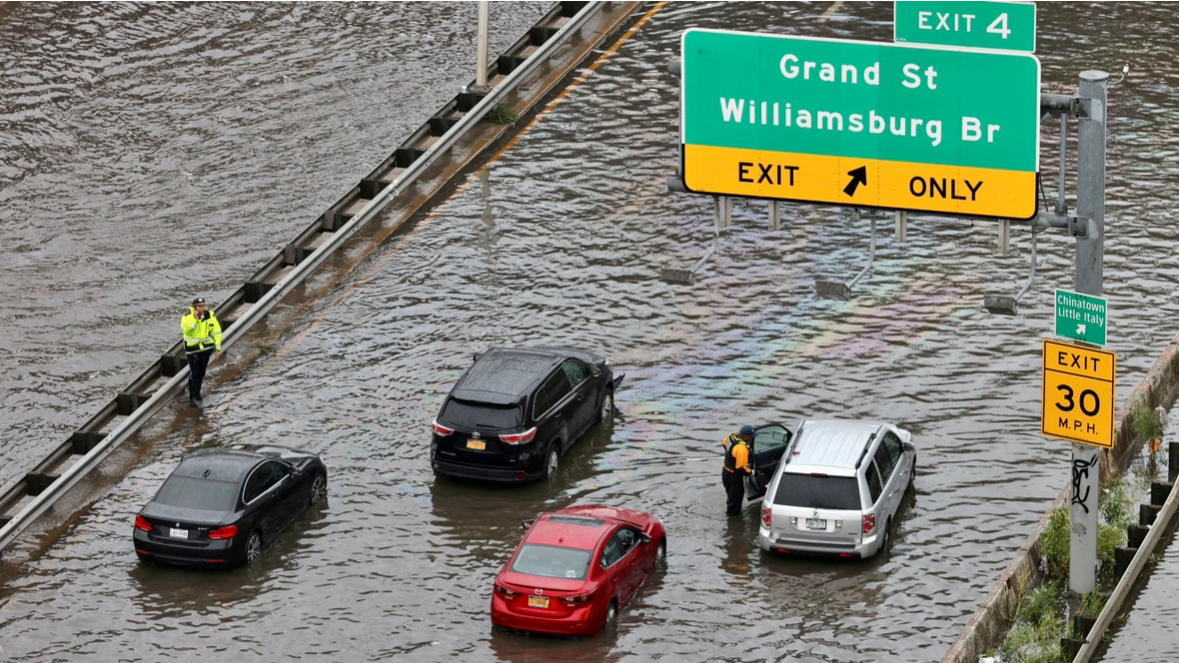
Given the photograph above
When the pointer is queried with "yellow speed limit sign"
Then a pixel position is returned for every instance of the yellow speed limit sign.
(1079, 393)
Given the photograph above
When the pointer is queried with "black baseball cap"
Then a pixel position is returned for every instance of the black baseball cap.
(199, 301)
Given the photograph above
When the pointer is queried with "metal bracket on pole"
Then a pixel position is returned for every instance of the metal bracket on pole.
(837, 289)
(688, 276)
(1005, 304)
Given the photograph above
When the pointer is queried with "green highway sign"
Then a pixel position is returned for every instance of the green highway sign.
(1008, 26)
(1080, 317)
(864, 124)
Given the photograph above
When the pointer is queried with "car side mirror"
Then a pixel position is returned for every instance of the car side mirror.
(908, 446)
(527, 523)
(645, 538)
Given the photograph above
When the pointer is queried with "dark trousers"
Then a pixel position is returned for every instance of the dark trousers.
(197, 363)
(735, 489)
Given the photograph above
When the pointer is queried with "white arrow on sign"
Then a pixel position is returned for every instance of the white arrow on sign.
(1080, 329)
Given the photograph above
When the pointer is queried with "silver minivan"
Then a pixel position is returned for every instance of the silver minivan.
(837, 489)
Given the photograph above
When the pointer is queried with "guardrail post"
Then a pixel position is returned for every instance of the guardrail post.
(901, 226)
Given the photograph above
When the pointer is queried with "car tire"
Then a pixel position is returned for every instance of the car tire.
(253, 547)
(887, 542)
(606, 411)
(912, 476)
(552, 463)
(610, 620)
(318, 489)
(661, 554)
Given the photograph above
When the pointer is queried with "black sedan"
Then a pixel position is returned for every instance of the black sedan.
(516, 411)
(221, 506)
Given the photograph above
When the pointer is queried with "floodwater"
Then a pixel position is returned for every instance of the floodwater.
(560, 239)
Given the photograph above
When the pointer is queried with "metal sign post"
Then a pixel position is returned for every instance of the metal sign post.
(1082, 572)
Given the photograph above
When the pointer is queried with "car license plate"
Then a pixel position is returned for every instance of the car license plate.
(177, 533)
(538, 601)
(476, 444)
(816, 523)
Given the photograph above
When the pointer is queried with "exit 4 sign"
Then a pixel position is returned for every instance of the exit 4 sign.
(1080, 317)
(1006, 26)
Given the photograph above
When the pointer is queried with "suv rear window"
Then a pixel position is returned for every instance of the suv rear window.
(483, 415)
(812, 492)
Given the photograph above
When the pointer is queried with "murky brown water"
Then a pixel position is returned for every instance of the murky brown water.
(561, 239)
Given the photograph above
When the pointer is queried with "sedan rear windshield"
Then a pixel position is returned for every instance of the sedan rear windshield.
(481, 415)
(197, 493)
(552, 562)
(816, 492)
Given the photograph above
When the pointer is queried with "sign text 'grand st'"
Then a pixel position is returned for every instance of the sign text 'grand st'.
(859, 123)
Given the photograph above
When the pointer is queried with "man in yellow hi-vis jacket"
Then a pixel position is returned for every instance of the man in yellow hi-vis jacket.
(202, 338)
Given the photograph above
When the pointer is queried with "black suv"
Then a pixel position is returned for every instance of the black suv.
(515, 411)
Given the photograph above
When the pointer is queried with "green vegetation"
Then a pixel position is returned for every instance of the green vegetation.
(500, 115)
(1054, 544)
(263, 348)
(1035, 635)
(1145, 423)
(1040, 624)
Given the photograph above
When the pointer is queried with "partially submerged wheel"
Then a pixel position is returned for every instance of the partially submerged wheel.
(551, 463)
(253, 547)
(611, 619)
(606, 412)
(318, 489)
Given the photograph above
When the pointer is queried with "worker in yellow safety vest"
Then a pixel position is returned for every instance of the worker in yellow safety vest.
(202, 339)
(737, 467)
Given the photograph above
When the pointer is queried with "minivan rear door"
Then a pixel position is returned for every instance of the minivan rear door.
(769, 445)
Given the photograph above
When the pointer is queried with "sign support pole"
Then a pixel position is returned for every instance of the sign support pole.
(1083, 512)
(481, 47)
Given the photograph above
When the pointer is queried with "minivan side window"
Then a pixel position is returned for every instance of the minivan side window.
(550, 393)
(874, 487)
(884, 463)
(576, 371)
(893, 445)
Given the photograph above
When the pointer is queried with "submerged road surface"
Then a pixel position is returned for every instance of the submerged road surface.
(560, 239)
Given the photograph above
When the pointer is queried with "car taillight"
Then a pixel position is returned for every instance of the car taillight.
(767, 515)
(440, 429)
(521, 438)
(224, 532)
(141, 523)
(505, 591)
(868, 524)
(580, 598)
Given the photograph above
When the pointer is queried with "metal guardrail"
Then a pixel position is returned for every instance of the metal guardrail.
(1114, 603)
(35, 493)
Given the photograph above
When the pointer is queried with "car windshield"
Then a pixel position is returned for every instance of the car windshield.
(481, 415)
(818, 492)
(552, 562)
(197, 493)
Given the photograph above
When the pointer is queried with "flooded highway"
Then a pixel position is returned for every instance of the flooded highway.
(559, 239)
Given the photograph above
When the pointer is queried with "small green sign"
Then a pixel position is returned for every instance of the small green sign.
(1080, 317)
(1007, 26)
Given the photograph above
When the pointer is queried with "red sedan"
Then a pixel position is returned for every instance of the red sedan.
(575, 568)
